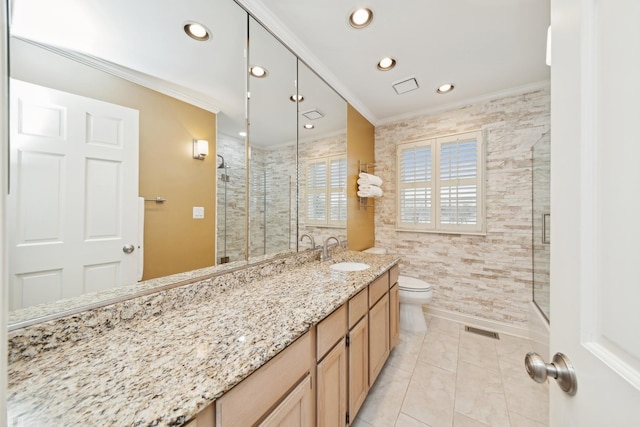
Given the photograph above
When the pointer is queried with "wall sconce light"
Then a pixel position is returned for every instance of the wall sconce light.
(200, 149)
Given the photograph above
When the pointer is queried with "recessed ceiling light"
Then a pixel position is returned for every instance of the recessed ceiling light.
(360, 18)
(296, 97)
(446, 88)
(242, 133)
(257, 71)
(197, 31)
(386, 64)
(309, 126)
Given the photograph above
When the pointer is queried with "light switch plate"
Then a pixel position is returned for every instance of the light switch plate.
(198, 212)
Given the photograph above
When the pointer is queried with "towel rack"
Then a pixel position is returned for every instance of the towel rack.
(158, 199)
(366, 167)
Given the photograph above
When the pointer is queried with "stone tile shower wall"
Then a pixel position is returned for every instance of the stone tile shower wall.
(487, 277)
(272, 192)
(232, 231)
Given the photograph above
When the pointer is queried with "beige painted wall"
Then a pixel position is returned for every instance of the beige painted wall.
(174, 242)
(360, 147)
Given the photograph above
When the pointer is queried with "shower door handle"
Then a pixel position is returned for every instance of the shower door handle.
(545, 224)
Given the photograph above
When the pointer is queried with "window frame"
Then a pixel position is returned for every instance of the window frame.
(327, 191)
(435, 185)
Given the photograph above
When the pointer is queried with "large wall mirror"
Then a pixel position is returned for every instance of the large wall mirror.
(114, 75)
(272, 144)
(322, 147)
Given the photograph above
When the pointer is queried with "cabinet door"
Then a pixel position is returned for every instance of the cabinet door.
(358, 365)
(332, 387)
(394, 315)
(294, 410)
(206, 418)
(378, 337)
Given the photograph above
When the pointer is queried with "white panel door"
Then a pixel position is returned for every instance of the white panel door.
(72, 204)
(595, 200)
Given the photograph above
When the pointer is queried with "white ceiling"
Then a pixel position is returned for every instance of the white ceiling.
(484, 47)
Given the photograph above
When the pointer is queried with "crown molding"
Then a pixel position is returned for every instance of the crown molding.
(154, 83)
(517, 90)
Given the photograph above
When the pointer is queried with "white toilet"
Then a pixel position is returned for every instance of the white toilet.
(414, 293)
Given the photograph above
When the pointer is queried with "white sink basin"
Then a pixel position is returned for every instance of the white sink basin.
(349, 266)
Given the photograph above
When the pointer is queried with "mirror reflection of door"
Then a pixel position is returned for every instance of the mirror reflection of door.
(176, 83)
(73, 201)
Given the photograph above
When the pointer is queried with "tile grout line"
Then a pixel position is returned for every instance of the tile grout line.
(413, 370)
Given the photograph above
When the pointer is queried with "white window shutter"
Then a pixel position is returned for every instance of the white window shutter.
(440, 184)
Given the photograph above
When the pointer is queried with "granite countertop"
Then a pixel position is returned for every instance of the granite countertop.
(166, 369)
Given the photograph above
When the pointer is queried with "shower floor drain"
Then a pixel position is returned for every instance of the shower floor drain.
(482, 332)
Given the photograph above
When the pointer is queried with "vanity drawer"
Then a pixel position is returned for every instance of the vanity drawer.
(331, 330)
(378, 288)
(394, 273)
(358, 307)
(252, 398)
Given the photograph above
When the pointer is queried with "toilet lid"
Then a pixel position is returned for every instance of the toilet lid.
(413, 284)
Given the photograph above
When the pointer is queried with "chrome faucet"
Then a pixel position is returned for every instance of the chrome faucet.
(326, 255)
(313, 242)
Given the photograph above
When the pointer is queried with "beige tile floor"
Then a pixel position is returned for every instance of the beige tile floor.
(452, 378)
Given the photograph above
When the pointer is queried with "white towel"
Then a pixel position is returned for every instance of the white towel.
(363, 181)
(369, 179)
(372, 191)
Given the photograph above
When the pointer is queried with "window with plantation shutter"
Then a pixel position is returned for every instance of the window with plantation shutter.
(326, 196)
(440, 184)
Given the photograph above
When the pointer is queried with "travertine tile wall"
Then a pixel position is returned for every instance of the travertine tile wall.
(270, 209)
(488, 277)
(314, 149)
(231, 232)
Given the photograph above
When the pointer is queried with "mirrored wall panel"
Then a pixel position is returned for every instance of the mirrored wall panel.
(272, 144)
(159, 143)
(118, 116)
(322, 147)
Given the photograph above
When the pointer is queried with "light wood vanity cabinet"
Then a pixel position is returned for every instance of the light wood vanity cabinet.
(332, 387)
(394, 306)
(206, 418)
(394, 315)
(296, 408)
(275, 392)
(343, 355)
(358, 365)
(378, 337)
(331, 403)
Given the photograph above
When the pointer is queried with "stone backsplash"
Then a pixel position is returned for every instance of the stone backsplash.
(28, 341)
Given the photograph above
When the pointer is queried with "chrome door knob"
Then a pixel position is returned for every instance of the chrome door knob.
(560, 369)
(127, 249)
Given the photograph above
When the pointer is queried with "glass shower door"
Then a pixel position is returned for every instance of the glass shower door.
(541, 154)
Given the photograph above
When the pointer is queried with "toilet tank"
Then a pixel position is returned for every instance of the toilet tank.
(375, 250)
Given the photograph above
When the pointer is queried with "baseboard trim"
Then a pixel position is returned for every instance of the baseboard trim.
(492, 325)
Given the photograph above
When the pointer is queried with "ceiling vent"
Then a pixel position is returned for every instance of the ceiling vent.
(313, 114)
(405, 85)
